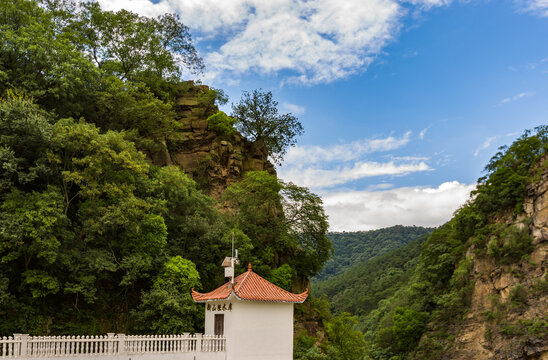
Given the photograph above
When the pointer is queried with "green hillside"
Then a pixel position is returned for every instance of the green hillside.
(352, 248)
(411, 302)
(359, 289)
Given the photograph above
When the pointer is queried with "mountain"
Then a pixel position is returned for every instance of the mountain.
(477, 286)
(359, 289)
(351, 248)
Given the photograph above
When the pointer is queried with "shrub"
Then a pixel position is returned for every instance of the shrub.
(518, 296)
(222, 124)
(510, 244)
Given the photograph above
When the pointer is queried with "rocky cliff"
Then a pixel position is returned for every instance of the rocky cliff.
(508, 316)
(212, 160)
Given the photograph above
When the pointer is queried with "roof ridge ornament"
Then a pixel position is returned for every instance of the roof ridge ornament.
(248, 266)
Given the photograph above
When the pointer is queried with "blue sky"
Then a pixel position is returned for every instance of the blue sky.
(403, 101)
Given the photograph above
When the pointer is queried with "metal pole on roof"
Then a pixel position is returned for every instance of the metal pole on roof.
(232, 259)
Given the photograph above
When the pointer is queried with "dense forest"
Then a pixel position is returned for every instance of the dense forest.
(352, 248)
(94, 235)
(359, 289)
(409, 302)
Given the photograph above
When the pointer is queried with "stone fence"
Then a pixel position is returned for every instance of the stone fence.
(114, 347)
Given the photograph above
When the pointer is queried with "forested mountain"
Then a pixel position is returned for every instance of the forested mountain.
(352, 248)
(359, 289)
(102, 229)
(477, 287)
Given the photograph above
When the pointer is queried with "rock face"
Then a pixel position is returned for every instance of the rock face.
(213, 160)
(497, 328)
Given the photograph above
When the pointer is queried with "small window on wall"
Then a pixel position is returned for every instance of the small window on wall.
(219, 324)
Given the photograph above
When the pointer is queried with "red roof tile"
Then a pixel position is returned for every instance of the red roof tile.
(250, 286)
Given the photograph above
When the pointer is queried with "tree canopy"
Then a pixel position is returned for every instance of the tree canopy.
(94, 237)
(258, 119)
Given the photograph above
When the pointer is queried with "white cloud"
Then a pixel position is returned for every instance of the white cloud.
(485, 145)
(316, 178)
(429, 3)
(367, 210)
(141, 7)
(320, 167)
(316, 41)
(343, 152)
(516, 97)
(293, 108)
(537, 7)
(423, 133)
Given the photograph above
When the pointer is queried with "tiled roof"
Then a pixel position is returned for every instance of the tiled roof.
(250, 286)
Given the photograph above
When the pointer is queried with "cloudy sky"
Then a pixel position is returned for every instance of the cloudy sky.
(403, 101)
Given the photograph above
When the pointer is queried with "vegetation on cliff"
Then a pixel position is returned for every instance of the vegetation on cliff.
(410, 302)
(257, 119)
(94, 235)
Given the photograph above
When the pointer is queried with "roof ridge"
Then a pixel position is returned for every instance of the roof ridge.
(241, 283)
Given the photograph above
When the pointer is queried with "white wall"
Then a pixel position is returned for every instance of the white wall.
(255, 330)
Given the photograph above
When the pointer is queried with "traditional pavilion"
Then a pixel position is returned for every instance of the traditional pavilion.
(254, 315)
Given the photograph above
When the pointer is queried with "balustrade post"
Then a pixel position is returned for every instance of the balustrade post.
(24, 345)
(16, 349)
(121, 343)
(110, 343)
(19, 349)
(198, 342)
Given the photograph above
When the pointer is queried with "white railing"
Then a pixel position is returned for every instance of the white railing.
(25, 346)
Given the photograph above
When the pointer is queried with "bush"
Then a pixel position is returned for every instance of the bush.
(408, 327)
(510, 244)
(518, 296)
(282, 276)
(222, 124)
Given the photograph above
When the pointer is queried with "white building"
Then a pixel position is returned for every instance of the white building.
(254, 315)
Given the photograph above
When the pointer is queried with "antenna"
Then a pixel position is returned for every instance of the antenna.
(233, 244)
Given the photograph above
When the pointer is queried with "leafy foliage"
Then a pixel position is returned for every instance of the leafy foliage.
(221, 124)
(352, 248)
(257, 119)
(286, 223)
(346, 342)
(167, 307)
(130, 46)
(93, 236)
(430, 293)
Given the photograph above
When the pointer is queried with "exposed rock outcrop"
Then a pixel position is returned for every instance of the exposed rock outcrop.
(212, 160)
(497, 326)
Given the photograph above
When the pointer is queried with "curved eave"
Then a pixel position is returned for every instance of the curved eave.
(299, 299)
(202, 298)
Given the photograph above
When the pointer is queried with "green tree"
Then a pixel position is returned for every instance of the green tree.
(130, 46)
(25, 132)
(257, 118)
(132, 106)
(167, 308)
(286, 223)
(345, 341)
(307, 224)
(408, 327)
